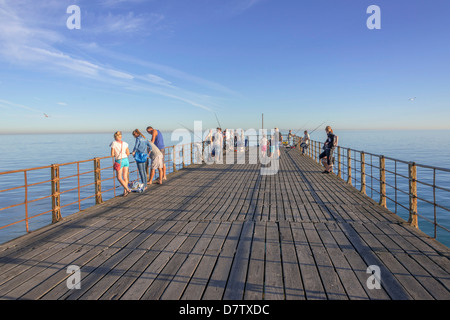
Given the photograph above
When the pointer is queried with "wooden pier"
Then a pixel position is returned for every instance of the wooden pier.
(226, 232)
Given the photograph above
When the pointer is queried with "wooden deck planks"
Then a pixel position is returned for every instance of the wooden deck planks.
(225, 231)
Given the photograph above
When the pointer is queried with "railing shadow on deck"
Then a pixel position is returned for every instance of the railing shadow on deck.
(395, 185)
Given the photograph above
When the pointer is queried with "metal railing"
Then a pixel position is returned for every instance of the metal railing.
(71, 187)
(395, 184)
(75, 186)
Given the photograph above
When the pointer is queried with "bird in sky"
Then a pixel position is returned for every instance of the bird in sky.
(45, 115)
(412, 99)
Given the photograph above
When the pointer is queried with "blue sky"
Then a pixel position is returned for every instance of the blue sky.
(169, 62)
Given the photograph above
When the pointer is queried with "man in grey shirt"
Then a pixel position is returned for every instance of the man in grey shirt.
(156, 157)
(305, 142)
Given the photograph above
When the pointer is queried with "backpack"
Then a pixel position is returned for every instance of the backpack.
(336, 138)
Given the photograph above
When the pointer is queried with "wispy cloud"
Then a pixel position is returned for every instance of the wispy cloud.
(11, 105)
(243, 5)
(114, 3)
(167, 71)
(38, 47)
(157, 80)
(129, 23)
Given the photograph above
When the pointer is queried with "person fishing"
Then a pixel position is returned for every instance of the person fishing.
(309, 134)
(290, 139)
(305, 142)
(326, 157)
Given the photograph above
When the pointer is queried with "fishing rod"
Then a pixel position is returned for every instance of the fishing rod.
(303, 126)
(199, 144)
(217, 120)
(191, 131)
(317, 127)
(313, 130)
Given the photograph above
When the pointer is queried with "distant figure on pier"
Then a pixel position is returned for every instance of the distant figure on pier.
(290, 139)
(305, 142)
(224, 138)
(140, 153)
(277, 142)
(207, 153)
(327, 155)
(263, 147)
(240, 143)
(120, 152)
(228, 146)
(158, 140)
(218, 145)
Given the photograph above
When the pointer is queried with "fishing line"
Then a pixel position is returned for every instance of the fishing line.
(217, 120)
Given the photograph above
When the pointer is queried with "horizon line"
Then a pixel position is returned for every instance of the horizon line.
(170, 130)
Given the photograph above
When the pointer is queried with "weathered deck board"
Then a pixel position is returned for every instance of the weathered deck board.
(225, 231)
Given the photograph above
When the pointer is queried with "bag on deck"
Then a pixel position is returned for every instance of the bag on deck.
(136, 187)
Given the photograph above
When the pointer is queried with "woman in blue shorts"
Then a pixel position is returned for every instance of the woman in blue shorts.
(120, 152)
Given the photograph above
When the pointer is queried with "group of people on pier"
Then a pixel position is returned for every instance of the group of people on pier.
(150, 152)
(326, 157)
(270, 145)
(146, 152)
(224, 140)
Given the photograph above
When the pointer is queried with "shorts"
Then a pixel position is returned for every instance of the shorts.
(157, 162)
(328, 153)
(123, 162)
(163, 155)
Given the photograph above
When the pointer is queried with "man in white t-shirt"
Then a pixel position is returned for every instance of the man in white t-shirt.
(217, 145)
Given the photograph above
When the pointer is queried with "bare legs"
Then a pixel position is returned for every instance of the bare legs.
(122, 177)
(328, 167)
(161, 175)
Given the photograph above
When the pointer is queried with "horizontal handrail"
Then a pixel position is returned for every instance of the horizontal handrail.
(355, 164)
(176, 157)
(349, 166)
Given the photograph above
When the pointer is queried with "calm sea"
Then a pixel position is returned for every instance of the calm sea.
(23, 151)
